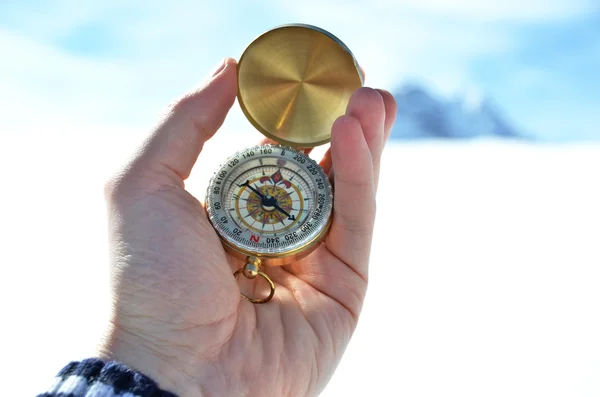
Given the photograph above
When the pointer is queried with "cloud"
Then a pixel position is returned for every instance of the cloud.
(44, 86)
(463, 10)
(154, 52)
(157, 59)
(501, 11)
(131, 20)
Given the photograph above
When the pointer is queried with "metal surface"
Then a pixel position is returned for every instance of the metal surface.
(294, 82)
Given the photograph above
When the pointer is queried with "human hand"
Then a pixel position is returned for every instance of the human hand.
(177, 311)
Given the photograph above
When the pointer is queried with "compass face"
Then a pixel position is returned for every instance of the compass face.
(269, 200)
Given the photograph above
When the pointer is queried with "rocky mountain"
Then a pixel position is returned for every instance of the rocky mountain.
(424, 115)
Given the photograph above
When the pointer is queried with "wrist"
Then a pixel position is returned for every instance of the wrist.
(150, 358)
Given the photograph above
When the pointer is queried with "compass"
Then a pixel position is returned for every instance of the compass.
(272, 204)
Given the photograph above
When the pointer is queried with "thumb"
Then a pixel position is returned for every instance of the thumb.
(173, 147)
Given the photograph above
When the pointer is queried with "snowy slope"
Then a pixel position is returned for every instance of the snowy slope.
(484, 278)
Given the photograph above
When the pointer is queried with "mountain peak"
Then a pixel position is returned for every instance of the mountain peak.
(422, 114)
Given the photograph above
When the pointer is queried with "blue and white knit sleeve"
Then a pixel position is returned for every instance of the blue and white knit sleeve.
(97, 378)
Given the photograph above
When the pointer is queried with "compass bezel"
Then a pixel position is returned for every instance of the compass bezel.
(306, 240)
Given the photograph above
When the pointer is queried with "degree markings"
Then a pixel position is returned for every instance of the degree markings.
(235, 197)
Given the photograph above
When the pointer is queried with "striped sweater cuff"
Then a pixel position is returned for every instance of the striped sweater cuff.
(97, 378)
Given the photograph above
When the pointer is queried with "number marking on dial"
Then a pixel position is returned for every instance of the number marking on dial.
(273, 200)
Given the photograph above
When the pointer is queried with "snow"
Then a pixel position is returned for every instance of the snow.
(484, 276)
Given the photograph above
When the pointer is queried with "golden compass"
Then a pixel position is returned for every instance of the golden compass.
(272, 204)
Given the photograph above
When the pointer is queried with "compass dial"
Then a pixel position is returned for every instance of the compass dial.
(269, 200)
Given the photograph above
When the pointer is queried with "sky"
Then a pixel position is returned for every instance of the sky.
(84, 66)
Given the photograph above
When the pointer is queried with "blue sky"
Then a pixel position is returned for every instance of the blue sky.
(78, 64)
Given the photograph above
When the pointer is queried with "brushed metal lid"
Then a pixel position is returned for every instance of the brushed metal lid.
(294, 81)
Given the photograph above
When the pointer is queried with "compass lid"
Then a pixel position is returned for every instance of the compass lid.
(294, 81)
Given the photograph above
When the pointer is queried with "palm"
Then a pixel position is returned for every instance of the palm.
(178, 313)
(302, 331)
